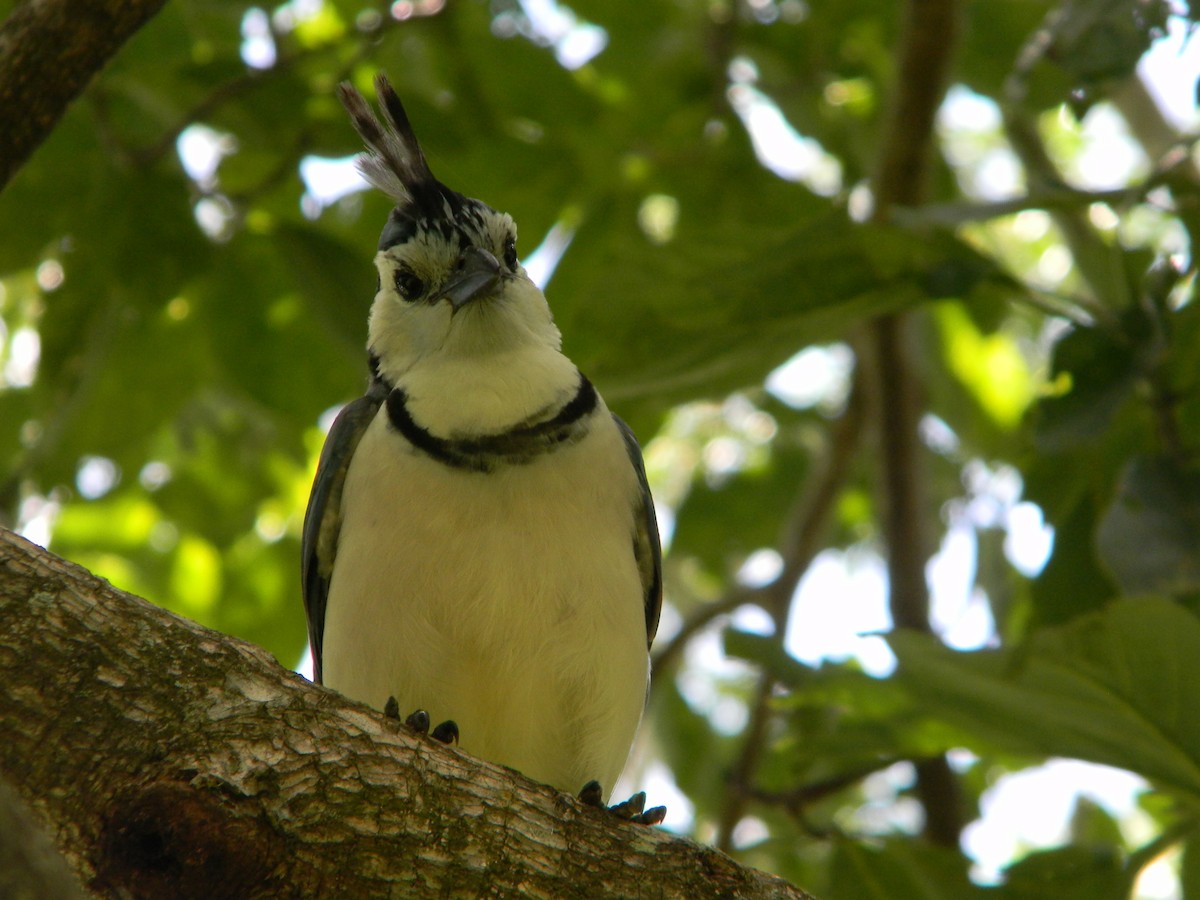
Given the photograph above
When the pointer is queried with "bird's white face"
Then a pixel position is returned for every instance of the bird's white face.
(455, 288)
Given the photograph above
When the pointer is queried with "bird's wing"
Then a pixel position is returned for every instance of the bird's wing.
(647, 549)
(323, 519)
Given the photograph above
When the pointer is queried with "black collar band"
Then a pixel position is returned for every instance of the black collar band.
(519, 445)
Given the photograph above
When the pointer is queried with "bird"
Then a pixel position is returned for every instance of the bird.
(480, 539)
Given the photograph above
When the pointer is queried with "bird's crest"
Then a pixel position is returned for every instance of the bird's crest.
(395, 164)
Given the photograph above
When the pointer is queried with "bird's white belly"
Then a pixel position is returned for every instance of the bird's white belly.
(508, 601)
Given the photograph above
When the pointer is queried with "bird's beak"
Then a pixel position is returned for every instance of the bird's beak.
(477, 273)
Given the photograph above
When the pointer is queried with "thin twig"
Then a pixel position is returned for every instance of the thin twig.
(802, 538)
(738, 781)
(667, 655)
(1052, 198)
(795, 799)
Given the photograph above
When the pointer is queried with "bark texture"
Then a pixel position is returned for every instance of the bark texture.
(167, 760)
(49, 51)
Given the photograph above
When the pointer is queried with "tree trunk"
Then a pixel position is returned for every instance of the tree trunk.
(167, 760)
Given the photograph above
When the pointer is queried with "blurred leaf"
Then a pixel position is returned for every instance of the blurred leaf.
(1111, 688)
(723, 523)
(766, 651)
(890, 869)
(993, 35)
(196, 582)
(1093, 825)
(1189, 868)
(1073, 582)
(120, 523)
(1150, 536)
(990, 366)
(839, 719)
(336, 280)
(698, 756)
(1098, 42)
(1096, 373)
(1094, 872)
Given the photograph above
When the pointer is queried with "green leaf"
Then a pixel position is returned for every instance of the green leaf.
(990, 366)
(1069, 873)
(1096, 373)
(1189, 868)
(1073, 582)
(1150, 535)
(1114, 687)
(1099, 42)
(896, 869)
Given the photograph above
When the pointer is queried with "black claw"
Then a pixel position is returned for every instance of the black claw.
(652, 816)
(631, 808)
(447, 732)
(391, 709)
(592, 794)
(418, 721)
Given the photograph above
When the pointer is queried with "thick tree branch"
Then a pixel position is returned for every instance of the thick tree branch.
(929, 34)
(171, 761)
(49, 51)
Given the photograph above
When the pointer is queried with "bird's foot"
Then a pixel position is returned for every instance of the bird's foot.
(418, 721)
(632, 810)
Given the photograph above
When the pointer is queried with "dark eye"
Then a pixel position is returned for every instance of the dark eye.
(408, 285)
(510, 253)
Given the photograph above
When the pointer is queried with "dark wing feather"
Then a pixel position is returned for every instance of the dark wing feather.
(323, 519)
(647, 549)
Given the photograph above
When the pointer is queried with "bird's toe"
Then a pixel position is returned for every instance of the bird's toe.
(446, 732)
(631, 810)
(418, 721)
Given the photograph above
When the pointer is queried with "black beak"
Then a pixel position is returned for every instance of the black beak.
(477, 273)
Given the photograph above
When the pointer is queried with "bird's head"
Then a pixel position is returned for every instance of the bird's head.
(450, 282)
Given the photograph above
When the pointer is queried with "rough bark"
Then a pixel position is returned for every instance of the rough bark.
(49, 51)
(167, 760)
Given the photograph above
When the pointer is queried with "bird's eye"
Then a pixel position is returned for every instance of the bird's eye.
(408, 285)
(510, 253)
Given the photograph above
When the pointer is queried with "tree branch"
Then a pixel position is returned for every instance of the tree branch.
(929, 34)
(172, 761)
(1176, 160)
(49, 51)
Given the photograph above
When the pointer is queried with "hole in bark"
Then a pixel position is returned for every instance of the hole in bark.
(172, 840)
(147, 848)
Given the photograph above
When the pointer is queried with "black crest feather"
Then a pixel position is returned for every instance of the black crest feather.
(394, 162)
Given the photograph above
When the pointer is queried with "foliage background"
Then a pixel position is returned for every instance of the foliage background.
(171, 341)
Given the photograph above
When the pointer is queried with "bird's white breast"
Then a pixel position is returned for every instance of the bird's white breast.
(508, 601)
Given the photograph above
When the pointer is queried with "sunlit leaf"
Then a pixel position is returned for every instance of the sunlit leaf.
(991, 366)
